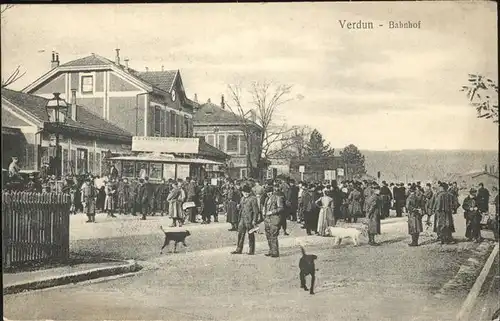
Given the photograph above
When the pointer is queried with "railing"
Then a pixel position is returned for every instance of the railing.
(35, 227)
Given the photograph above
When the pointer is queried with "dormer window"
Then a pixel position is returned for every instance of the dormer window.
(87, 84)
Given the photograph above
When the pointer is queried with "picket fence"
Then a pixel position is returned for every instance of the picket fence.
(35, 227)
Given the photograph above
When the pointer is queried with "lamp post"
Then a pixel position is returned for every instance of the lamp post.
(57, 110)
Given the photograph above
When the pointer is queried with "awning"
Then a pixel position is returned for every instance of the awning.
(165, 159)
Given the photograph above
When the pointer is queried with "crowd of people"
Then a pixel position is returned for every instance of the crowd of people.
(247, 203)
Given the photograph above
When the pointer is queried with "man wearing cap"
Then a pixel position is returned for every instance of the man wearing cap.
(273, 206)
(307, 205)
(472, 217)
(385, 194)
(208, 204)
(483, 198)
(414, 216)
(88, 198)
(444, 204)
(249, 212)
(373, 211)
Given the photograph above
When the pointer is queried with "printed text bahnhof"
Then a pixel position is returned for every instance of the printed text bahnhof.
(393, 24)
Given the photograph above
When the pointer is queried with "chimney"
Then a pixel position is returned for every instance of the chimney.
(209, 101)
(222, 103)
(73, 109)
(147, 69)
(117, 59)
(54, 63)
(162, 68)
(126, 63)
(195, 98)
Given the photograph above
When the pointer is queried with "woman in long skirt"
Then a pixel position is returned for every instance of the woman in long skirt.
(326, 218)
(175, 205)
(232, 201)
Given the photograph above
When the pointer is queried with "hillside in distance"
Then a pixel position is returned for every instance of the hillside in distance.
(426, 165)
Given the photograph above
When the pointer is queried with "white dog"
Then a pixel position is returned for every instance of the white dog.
(340, 233)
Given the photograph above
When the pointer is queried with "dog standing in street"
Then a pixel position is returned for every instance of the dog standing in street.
(177, 237)
(307, 267)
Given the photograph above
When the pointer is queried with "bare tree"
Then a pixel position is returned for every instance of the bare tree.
(480, 90)
(13, 77)
(5, 7)
(265, 99)
(293, 143)
(16, 74)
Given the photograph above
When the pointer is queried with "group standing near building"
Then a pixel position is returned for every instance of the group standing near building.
(247, 203)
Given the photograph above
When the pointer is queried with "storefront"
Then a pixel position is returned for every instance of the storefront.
(170, 158)
(81, 137)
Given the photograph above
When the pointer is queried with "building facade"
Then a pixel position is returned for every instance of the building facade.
(150, 103)
(84, 138)
(226, 131)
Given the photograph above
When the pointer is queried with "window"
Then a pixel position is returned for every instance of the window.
(72, 162)
(82, 161)
(157, 123)
(155, 171)
(243, 173)
(172, 123)
(243, 145)
(210, 139)
(186, 128)
(65, 156)
(91, 163)
(141, 167)
(178, 123)
(221, 142)
(87, 84)
(232, 143)
(127, 169)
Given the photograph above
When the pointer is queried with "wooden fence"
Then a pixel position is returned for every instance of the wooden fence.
(35, 227)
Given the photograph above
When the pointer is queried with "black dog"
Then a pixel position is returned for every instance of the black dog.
(307, 267)
(177, 237)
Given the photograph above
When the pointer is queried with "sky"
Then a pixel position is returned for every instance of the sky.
(380, 89)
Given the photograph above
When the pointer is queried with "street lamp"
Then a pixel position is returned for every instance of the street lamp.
(57, 110)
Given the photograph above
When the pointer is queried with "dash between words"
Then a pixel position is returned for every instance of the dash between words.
(393, 24)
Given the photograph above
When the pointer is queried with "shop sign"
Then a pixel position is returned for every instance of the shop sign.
(165, 145)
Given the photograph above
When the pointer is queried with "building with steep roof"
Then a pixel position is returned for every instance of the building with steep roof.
(150, 103)
(226, 131)
(84, 137)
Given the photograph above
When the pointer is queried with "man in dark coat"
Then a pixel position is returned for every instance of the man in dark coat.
(208, 203)
(415, 227)
(283, 190)
(386, 196)
(294, 200)
(444, 204)
(144, 196)
(161, 194)
(192, 196)
(373, 211)
(249, 213)
(399, 199)
(483, 199)
(472, 217)
(307, 205)
(453, 189)
(273, 206)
